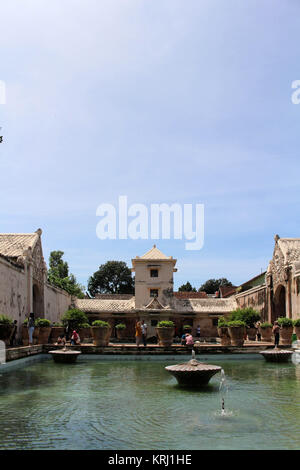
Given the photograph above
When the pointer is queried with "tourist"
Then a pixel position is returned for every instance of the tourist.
(138, 333)
(198, 331)
(189, 340)
(275, 331)
(61, 341)
(12, 339)
(183, 339)
(144, 332)
(31, 328)
(75, 339)
(258, 334)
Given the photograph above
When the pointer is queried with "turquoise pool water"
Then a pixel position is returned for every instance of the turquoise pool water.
(100, 403)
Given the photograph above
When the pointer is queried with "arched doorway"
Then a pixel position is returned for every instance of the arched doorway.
(37, 302)
(279, 309)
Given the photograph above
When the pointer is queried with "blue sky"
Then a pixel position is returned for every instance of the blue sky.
(162, 101)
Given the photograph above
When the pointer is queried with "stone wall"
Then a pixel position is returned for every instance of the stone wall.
(57, 301)
(255, 298)
(13, 291)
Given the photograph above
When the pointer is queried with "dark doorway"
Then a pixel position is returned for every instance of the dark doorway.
(279, 303)
(37, 302)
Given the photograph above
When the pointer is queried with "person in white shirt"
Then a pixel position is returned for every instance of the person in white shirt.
(144, 332)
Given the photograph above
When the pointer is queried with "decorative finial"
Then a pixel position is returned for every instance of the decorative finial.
(39, 231)
(276, 238)
(154, 246)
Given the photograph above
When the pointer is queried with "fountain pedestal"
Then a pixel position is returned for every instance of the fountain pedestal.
(277, 355)
(193, 373)
(66, 356)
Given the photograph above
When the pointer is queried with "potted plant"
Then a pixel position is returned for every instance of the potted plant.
(286, 330)
(165, 331)
(250, 317)
(266, 332)
(101, 331)
(84, 331)
(236, 332)
(73, 318)
(44, 327)
(25, 335)
(56, 331)
(297, 327)
(223, 332)
(121, 330)
(6, 326)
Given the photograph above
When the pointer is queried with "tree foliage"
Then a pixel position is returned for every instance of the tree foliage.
(113, 277)
(212, 285)
(59, 276)
(187, 287)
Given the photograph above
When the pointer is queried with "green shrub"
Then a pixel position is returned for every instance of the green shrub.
(266, 325)
(101, 323)
(74, 317)
(247, 315)
(236, 323)
(283, 321)
(187, 327)
(222, 322)
(57, 324)
(25, 322)
(165, 324)
(42, 323)
(84, 325)
(5, 320)
(121, 326)
(296, 322)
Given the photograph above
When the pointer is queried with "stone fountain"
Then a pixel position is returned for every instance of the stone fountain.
(277, 355)
(66, 356)
(193, 373)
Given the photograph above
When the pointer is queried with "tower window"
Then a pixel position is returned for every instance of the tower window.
(154, 272)
(153, 292)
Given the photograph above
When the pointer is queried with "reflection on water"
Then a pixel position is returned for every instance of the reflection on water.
(131, 404)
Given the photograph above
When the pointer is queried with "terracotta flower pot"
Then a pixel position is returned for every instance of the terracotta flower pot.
(165, 336)
(35, 335)
(224, 335)
(25, 336)
(84, 334)
(237, 335)
(5, 332)
(285, 337)
(44, 333)
(121, 333)
(297, 331)
(56, 331)
(266, 334)
(251, 333)
(101, 335)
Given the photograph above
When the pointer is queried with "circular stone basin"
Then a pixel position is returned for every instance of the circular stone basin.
(193, 373)
(67, 357)
(277, 355)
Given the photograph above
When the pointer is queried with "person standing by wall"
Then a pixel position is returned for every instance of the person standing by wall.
(144, 332)
(31, 328)
(138, 332)
(276, 331)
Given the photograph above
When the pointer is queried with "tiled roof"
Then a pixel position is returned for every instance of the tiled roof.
(190, 295)
(12, 245)
(155, 253)
(105, 305)
(217, 306)
(227, 291)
